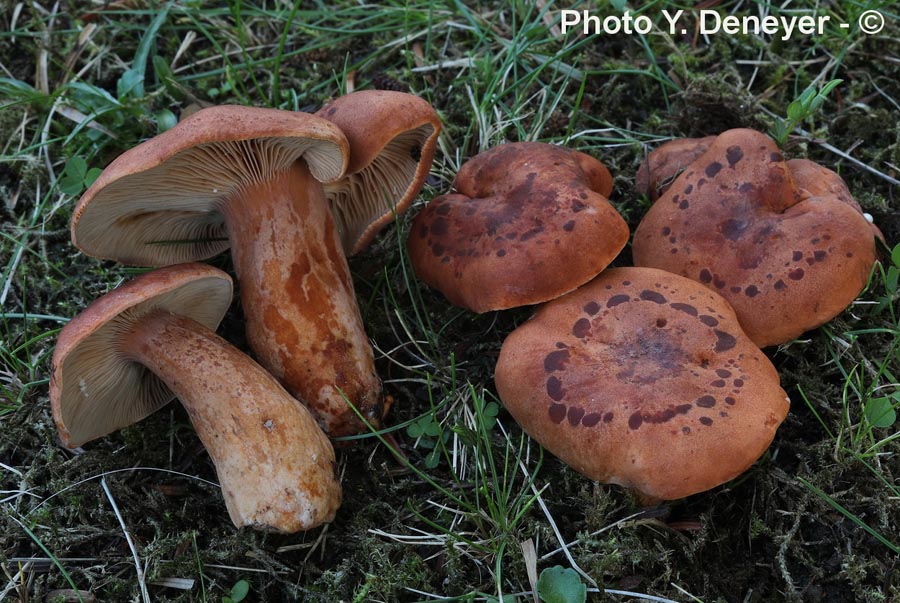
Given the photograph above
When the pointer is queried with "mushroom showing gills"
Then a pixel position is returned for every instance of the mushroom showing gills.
(249, 179)
(528, 222)
(783, 241)
(392, 137)
(644, 379)
(151, 339)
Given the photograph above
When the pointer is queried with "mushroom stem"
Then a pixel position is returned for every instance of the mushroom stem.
(275, 466)
(303, 322)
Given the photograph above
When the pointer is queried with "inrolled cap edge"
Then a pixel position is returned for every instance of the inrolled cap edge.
(94, 388)
(392, 137)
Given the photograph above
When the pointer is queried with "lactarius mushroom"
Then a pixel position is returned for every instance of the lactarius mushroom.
(392, 138)
(249, 179)
(644, 379)
(783, 241)
(527, 223)
(134, 349)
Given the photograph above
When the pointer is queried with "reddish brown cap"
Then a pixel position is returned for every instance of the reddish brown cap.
(160, 202)
(783, 241)
(95, 387)
(660, 168)
(644, 379)
(392, 136)
(528, 222)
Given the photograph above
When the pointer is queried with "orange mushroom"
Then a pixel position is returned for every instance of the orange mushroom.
(134, 349)
(527, 222)
(642, 378)
(783, 241)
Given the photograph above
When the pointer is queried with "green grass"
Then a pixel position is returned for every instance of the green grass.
(817, 519)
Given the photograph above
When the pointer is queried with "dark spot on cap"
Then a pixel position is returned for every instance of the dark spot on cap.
(706, 421)
(661, 322)
(798, 255)
(776, 157)
(705, 276)
(706, 402)
(557, 413)
(581, 328)
(849, 254)
(709, 321)
(555, 389)
(733, 154)
(607, 417)
(745, 188)
(501, 253)
(556, 361)
(820, 255)
(684, 204)
(796, 275)
(751, 291)
(780, 285)
(615, 300)
(688, 189)
(724, 341)
(672, 239)
(735, 289)
(686, 308)
(578, 206)
(733, 229)
(713, 168)
(569, 226)
(592, 307)
(652, 296)
(439, 227)
(423, 231)
(814, 241)
(685, 430)
(443, 209)
(723, 373)
(739, 383)
(530, 234)
(666, 231)
(635, 421)
(575, 415)
(437, 249)
(730, 401)
(590, 419)
(718, 282)
(718, 383)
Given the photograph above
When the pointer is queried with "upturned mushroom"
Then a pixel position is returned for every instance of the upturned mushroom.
(527, 223)
(134, 349)
(250, 179)
(783, 241)
(644, 379)
(392, 138)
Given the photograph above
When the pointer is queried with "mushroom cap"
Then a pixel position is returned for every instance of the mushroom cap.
(644, 379)
(95, 387)
(161, 202)
(783, 241)
(528, 222)
(660, 168)
(393, 137)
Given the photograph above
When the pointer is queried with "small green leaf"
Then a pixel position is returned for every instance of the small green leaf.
(76, 166)
(433, 458)
(239, 591)
(895, 255)
(880, 412)
(827, 88)
(130, 84)
(796, 110)
(165, 120)
(92, 175)
(71, 185)
(807, 95)
(561, 585)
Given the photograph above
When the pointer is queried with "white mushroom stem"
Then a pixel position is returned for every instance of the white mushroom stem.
(303, 322)
(275, 466)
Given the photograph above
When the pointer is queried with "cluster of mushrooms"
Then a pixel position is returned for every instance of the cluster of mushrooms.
(650, 377)
(292, 195)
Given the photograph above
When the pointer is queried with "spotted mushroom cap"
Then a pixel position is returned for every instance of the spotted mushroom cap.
(392, 136)
(783, 241)
(161, 202)
(663, 165)
(527, 222)
(95, 388)
(644, 379)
